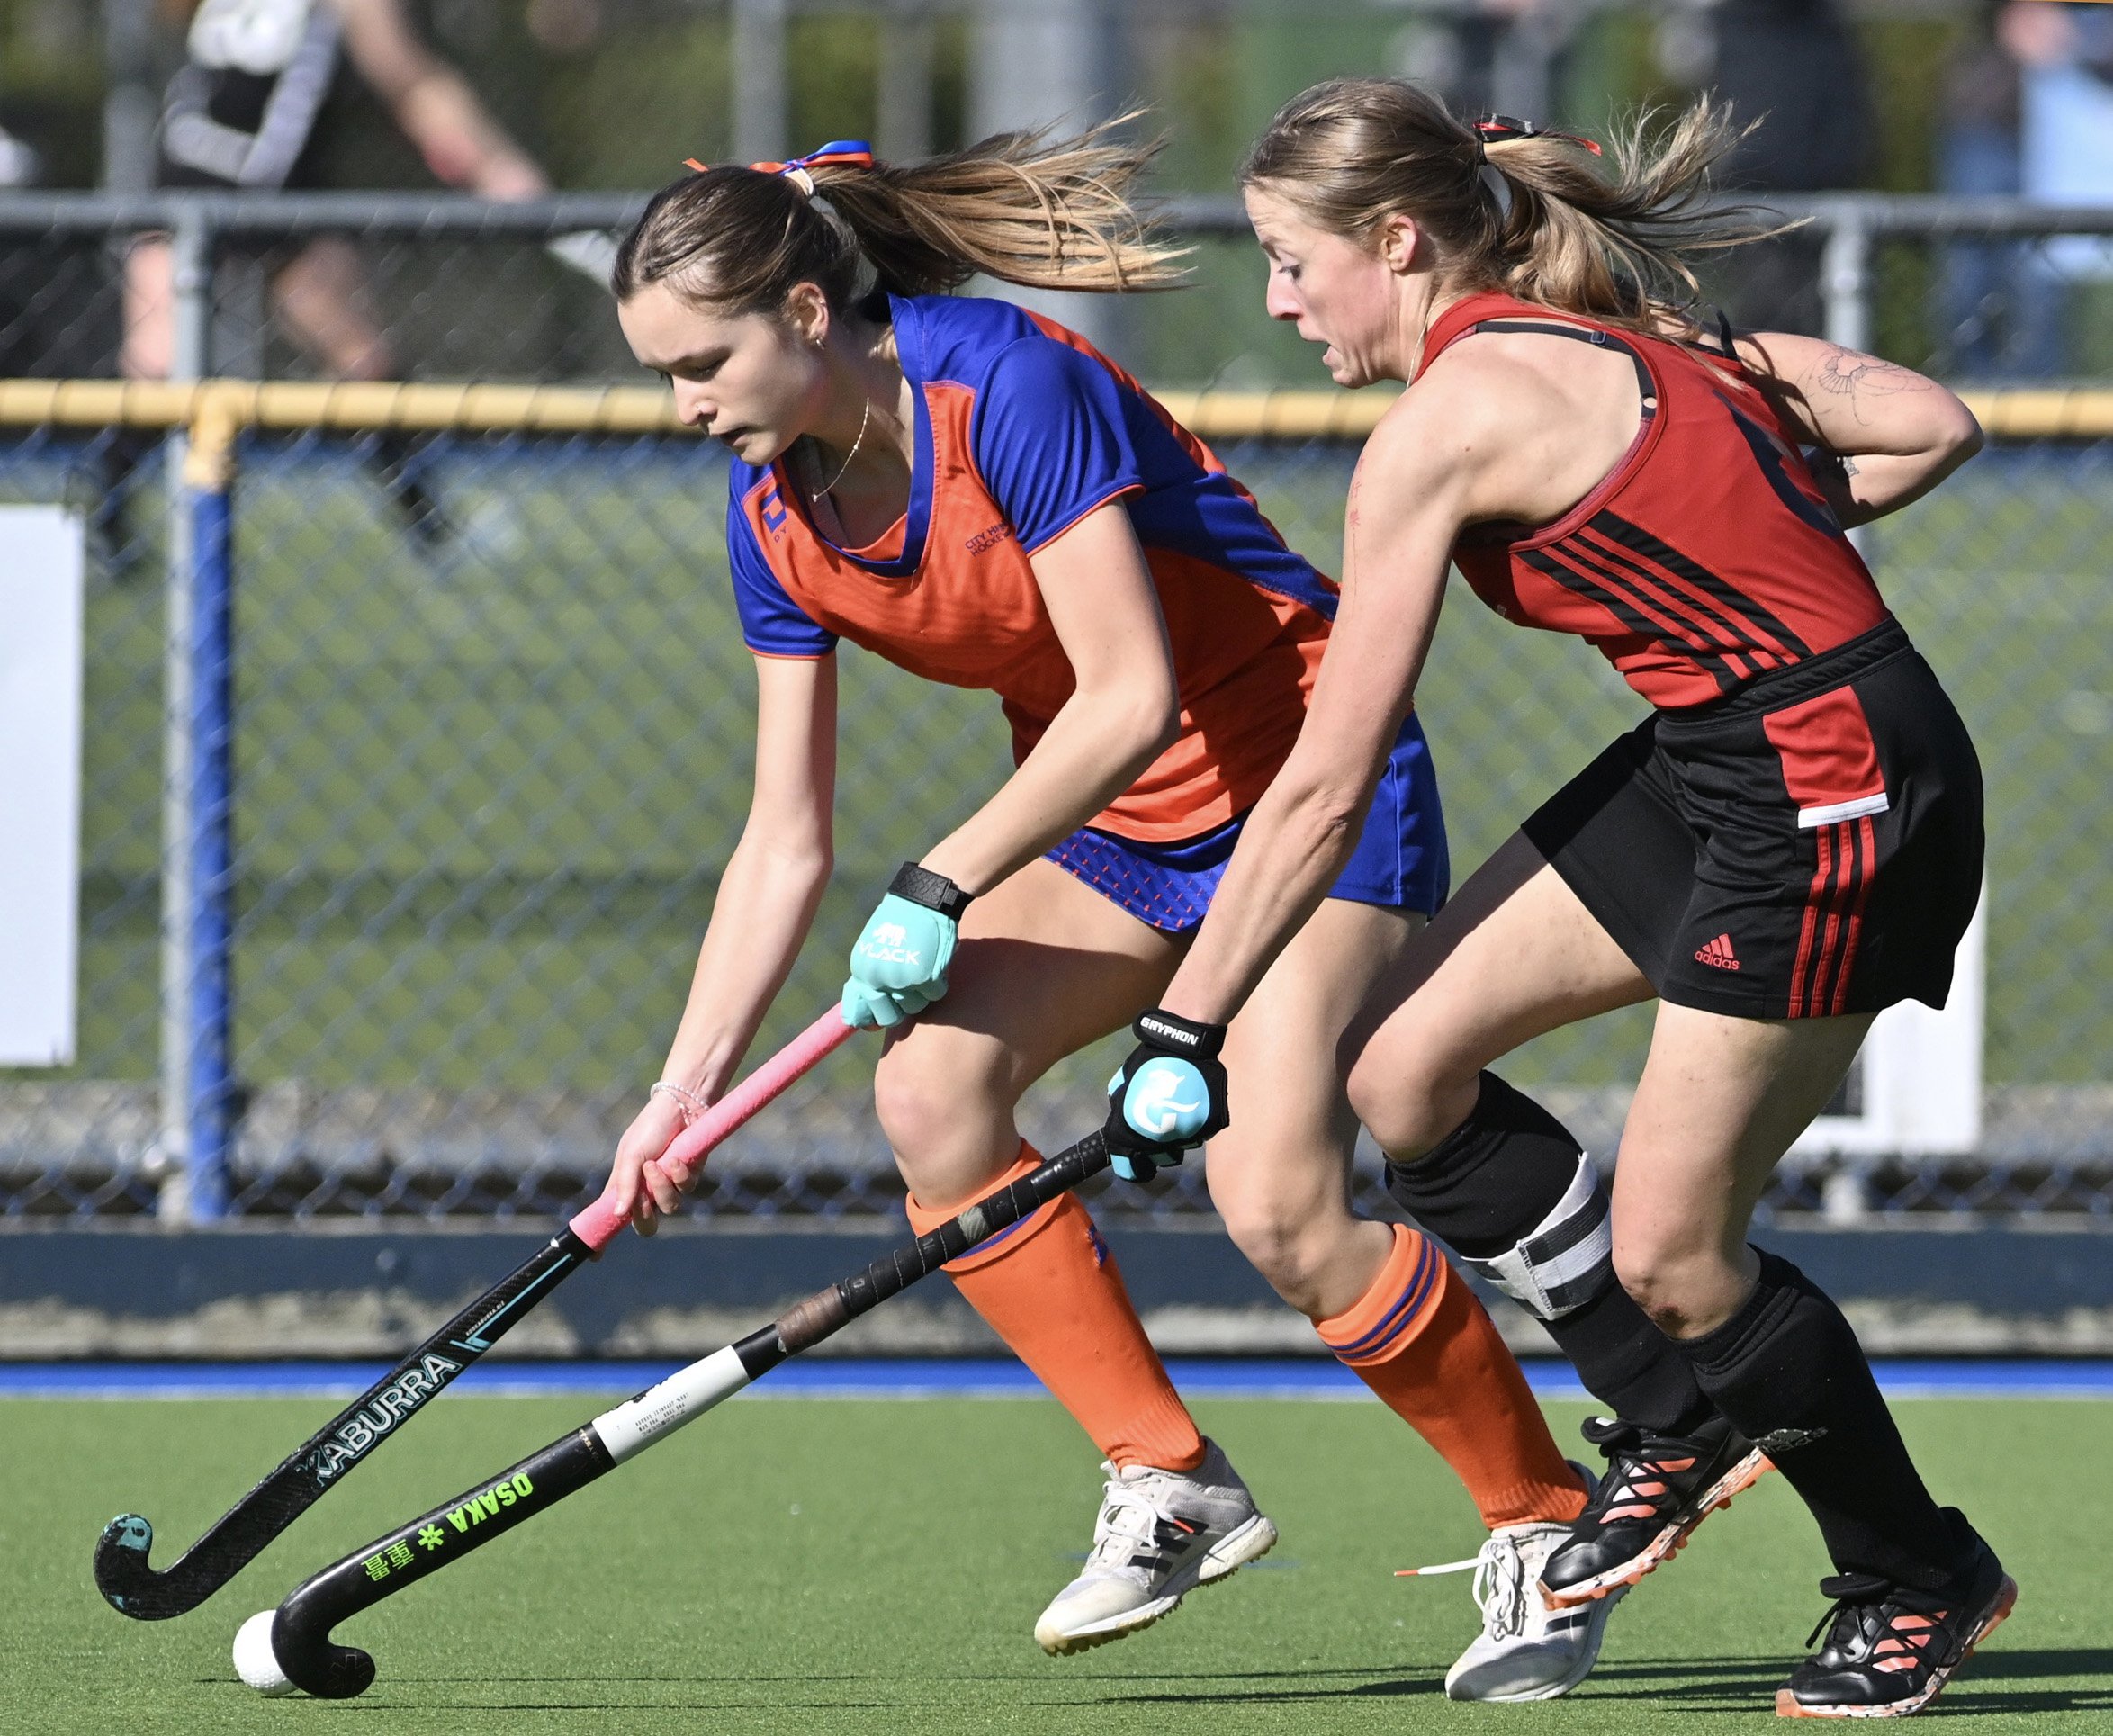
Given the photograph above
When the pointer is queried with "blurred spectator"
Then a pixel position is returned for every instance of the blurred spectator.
(1795, 66)
(264, 85)
(2065, 54)
(1977, 155)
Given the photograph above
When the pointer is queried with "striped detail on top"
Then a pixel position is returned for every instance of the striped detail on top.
(1426, 1269)
(1833, 920)
(1654, 589)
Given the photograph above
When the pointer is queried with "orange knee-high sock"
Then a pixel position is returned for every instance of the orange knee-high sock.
(1421, 1339)
(1048, 1287)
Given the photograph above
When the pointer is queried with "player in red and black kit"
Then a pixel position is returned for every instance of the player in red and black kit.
(1791, 843)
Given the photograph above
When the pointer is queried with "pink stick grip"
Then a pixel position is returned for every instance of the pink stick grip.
(598, 1224)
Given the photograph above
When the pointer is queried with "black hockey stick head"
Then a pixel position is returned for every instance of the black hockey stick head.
(310, 1660)
(123, 1575)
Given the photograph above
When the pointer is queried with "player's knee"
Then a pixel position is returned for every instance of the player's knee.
(1276, 1244)
(935, 1116)
(1407, 1109)
(1665, 1277)
(1285, 1233)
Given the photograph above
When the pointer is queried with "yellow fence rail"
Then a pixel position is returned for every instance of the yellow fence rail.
(215, 411)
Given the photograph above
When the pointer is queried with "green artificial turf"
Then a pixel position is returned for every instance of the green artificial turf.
(815, 1566)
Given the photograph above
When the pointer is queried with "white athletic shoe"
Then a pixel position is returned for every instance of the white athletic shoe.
(1525, 1651)
(1160, 1534)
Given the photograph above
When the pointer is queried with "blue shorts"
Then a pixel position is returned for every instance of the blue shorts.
(1400, 860)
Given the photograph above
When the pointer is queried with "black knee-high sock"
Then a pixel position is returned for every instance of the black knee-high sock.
(1788, 1373)
(1491, 1183)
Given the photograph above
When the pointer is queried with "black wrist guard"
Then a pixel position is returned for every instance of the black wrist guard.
(1178, 1036)
(920, 885)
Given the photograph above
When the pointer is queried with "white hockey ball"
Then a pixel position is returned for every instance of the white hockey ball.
(255, 1660)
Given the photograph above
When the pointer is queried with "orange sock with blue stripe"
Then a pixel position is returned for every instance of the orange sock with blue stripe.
(1049, 1288)
(1421, 1339)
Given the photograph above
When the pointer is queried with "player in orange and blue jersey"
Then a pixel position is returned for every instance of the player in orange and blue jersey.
(978, 495)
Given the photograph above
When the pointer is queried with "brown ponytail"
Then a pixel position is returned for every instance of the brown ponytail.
(1015, 207)
(1559, 230)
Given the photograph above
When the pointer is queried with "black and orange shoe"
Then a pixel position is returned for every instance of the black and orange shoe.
(1889, 1652)
(1656, 1490)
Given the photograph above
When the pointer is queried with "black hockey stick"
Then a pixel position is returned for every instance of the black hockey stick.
(134, 1589)
(300, 1629)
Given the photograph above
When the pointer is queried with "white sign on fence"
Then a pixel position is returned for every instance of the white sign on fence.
(1921, 1070)
(40, 649)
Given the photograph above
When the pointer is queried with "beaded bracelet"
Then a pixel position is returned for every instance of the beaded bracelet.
(688, 1101)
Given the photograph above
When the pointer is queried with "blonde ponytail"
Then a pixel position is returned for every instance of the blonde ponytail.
(1016, 207)
(1531, 213)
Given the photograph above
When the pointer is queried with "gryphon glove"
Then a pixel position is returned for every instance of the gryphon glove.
(1169, 1095)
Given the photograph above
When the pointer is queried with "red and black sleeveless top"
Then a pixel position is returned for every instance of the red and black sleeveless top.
(1708, 555)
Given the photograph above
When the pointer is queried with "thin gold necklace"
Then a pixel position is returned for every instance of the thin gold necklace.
(866, 416)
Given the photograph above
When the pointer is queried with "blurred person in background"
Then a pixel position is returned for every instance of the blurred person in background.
(1793, 67)
(1977, 156)
(264, 86)
(2064, 54)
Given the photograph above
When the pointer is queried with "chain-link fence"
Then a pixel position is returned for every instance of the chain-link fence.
(1981, 291)
(491, 717)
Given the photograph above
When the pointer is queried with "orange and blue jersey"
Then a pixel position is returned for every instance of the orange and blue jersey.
(1022, 430)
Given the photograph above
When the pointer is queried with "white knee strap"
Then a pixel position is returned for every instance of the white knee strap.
(1567, 1261)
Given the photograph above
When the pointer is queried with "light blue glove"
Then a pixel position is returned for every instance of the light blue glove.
(899, 965)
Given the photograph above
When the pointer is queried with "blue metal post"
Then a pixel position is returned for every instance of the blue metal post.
(208, 921)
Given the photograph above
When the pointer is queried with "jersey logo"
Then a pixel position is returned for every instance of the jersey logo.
(1771, 461)
(1718, 953)
(987, 539)
(774, 514)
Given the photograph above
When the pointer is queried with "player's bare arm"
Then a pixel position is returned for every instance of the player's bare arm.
(1897, 434)
(439, 113)
(1119, 718)
(1495, 432)
(765, 903)
(1426, 472)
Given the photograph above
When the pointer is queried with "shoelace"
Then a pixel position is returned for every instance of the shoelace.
(1888, 1636)
(1500, 1584)
(1128, 1521)
(1637, 1484)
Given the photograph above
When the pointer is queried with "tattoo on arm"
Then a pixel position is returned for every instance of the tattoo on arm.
(1846, 373)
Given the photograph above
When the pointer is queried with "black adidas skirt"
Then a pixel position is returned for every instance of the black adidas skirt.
(1808, 846)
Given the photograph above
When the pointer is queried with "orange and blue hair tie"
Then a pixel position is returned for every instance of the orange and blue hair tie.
(846, 153)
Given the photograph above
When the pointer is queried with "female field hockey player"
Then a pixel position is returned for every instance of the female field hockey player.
(1789, 842)
(974, 493)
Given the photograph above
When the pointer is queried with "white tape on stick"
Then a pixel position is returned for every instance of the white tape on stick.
(689, 1392)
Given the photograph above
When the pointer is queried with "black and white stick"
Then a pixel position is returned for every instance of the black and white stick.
(300, 1641)
(313, 1469)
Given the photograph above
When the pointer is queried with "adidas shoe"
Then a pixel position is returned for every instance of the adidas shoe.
(1889, 1652)
(1655, 1490)
(1526, 1650)
(1160, 1534)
